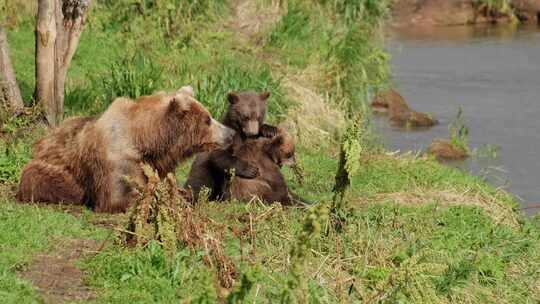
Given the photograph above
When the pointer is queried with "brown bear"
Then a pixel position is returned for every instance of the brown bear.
(245, 115)
(85, 160)
(269, 154)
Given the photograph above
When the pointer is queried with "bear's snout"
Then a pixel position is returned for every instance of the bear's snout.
(221, 134)
(251, 128)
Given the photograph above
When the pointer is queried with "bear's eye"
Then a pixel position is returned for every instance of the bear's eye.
(208, 121)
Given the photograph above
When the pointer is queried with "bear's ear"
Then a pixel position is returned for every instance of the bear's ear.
(274, 143)
(233, 98)
(187, 89)
(273, 146)
(264, 95)
(278, 140)
(175, 106)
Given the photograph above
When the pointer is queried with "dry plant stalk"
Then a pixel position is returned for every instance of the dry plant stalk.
(161, 214)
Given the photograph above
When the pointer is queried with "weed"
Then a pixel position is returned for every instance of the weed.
(459, 133)
(349, 161)
(162, 216)
(311, 229)
(487, 151)
(494, 7)
(246, 284)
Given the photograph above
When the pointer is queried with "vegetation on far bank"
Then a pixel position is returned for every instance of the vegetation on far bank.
(414, 231)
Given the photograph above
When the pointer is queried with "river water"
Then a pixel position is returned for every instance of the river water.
(493, 73)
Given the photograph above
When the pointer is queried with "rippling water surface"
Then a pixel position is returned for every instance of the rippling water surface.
(494, 74)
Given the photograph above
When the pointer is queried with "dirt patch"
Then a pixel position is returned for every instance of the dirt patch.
(250, 20)
(407, 13)
(55, 275)
(432, 12)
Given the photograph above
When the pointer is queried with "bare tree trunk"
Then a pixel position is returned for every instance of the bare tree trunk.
(68, 17)
(45, 50)
(9, 90)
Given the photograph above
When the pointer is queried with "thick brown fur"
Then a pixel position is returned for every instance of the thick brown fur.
(246, 114)
(269, 155)
(85, 160)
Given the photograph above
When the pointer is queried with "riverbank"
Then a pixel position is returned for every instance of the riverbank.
(479, 69)
(413, 230)
(430, 13)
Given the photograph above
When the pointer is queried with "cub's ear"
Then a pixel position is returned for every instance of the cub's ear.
(278, 140)
(272, 148)
(264, 95)
(232, 97)
(274, 143)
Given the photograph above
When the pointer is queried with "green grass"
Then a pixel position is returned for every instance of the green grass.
(413, 254)
(415, 231)
(428, 253)
(27, 230)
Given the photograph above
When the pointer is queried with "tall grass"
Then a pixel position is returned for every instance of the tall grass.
(13, 13)
(502, 6)
(132, 77)
(365, 11)
(211, 88)
(183, 48)
(360, 67)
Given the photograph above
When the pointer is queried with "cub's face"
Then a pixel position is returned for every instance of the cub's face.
(200, 130)
(281, 149)
(247, 111)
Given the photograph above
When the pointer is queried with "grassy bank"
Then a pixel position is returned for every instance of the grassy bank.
(415, 231)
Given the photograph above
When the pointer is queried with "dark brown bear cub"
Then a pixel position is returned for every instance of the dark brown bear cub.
(246, 114)
(85, 160)
(269, 154)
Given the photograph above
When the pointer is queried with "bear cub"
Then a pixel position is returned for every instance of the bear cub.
(269, 154)
(245, 114)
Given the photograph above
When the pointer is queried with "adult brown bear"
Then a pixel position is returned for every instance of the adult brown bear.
(84, 160)
(246, 114)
